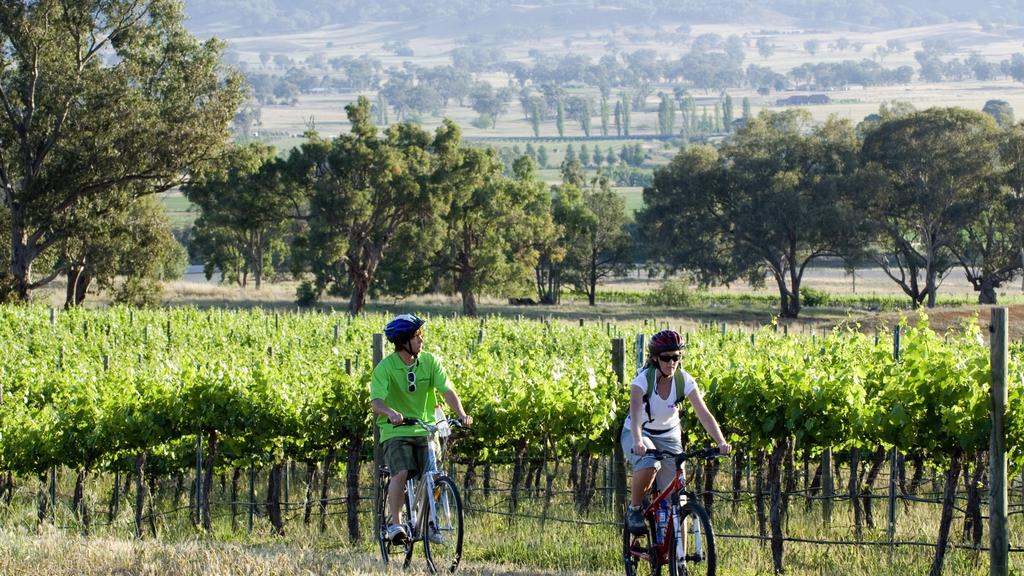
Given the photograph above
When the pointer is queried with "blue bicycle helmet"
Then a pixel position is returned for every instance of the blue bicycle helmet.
(402, 327)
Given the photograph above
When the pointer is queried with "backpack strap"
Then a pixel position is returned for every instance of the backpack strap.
(680, 384)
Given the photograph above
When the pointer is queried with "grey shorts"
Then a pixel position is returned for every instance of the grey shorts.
(670, 441)
(406, 453)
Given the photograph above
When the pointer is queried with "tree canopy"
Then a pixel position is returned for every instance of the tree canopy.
(101, 102)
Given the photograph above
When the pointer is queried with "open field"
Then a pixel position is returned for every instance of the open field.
(281, 124)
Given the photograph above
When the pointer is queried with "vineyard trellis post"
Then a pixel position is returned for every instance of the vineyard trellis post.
(639, 351)
(893, 455)
(618, 456)
(378, 456)
(998, 527)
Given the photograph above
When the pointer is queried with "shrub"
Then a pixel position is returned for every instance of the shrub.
(139, 292)
(307, 295)
(812, 298)
(670, 293)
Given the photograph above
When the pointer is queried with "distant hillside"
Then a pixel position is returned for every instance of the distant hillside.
(237, 17)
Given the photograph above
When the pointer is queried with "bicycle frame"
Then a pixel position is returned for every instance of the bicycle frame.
(417, 493)
(678, 494)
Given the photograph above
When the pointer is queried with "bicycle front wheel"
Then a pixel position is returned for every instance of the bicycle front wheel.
(694, 551)
(442, 542)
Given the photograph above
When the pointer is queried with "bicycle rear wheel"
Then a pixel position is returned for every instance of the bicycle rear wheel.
(694, 550)
(389, 549)
(637, 552)
(445, 552)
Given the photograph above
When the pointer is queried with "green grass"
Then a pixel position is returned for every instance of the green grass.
(180, 211)
(495, 545)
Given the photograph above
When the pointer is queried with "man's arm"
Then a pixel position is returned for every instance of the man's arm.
(382, 409)
(453, 401)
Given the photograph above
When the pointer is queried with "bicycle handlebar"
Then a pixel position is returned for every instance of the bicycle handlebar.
(427, 425)
(680, 457)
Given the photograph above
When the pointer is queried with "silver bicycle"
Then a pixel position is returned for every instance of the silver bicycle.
(433, 510)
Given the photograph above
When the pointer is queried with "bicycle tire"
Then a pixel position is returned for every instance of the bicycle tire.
(443, 557)
(697, 542)
(388, 548)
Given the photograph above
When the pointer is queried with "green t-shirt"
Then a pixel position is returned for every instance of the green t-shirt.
(390, 383)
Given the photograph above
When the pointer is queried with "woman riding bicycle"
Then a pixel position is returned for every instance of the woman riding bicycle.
(403, 386)
(653, 416)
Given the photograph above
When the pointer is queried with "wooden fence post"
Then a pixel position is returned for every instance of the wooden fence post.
(999, 542)
(893, 456)
(378, 455)
(618, 456)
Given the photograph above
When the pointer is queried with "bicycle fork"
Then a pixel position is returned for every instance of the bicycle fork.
(687, 526)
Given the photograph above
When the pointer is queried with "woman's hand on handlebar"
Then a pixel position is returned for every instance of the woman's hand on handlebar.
(395, 418)
(724, 448)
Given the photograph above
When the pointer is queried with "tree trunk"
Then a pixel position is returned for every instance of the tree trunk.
(211, 460)
(81, 508)
(236, 473)
(710, 472)
(468, 480)
(469, 303)
(325, 487)
(858, 516)
(274, 482)
(355, 449)
(877, 459)
(43, 498)
(972, 518)
(311, 479)
(790, 476)
(517, 474)
(948, 503)
(22, 255)
(737, 479)
(140, 491)
(151, 515)
(762, 521)
(487, 479)
(775, 484)
(987, 290)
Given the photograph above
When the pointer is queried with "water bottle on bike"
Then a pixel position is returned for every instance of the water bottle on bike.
(661, 522)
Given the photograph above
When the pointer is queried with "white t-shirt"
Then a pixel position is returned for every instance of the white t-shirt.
(664, 415)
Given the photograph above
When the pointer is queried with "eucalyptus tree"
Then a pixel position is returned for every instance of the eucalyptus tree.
(101, 101)
(595, 237)
(493, 224)
(990, 247)
(365, 190)
(769, 202)
(927, 176)
(245, 213)
(134, 244)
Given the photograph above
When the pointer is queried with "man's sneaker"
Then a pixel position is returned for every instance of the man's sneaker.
(635, 521)
(396, 533)
(434, 534)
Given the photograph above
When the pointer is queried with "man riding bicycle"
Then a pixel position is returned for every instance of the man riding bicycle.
(403, 386)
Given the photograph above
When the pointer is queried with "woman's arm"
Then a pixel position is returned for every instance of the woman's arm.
(707, 420)
(636, 413)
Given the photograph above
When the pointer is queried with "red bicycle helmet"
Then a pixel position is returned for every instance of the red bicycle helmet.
(665, 341)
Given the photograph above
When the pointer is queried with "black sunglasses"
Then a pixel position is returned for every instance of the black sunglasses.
(669, 357)
(411, 377)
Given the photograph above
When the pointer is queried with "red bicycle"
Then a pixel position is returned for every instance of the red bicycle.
(679, 532)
